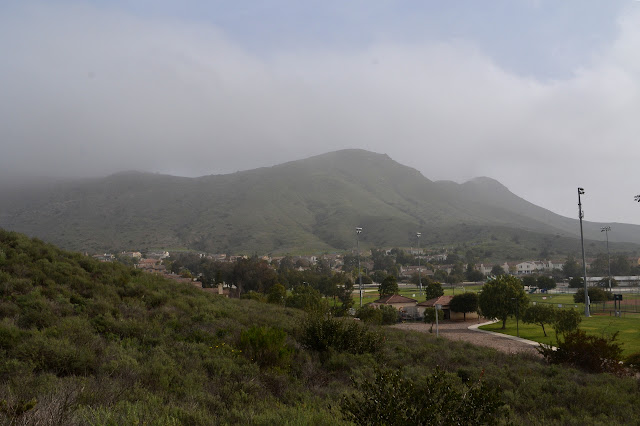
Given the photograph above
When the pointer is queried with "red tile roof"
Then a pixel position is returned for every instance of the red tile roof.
(395, 298)
(442, 300)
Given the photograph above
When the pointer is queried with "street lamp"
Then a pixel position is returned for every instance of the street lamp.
(418, 234)
(358, 231)
(517, 317)
(584, 263)
(606, 230)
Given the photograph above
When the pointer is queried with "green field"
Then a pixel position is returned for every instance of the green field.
(628, 329)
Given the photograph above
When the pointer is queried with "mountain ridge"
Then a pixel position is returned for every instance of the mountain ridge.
(311, 204)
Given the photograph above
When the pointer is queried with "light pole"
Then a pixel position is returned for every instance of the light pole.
(517, 317)
(418, 234)
(358, 231)
(584, 263)
(606, 230)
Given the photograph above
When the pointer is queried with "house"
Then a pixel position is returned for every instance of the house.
(444, 302)
(406, 305)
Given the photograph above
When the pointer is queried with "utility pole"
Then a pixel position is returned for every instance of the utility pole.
(606, 230)
(418, 234)
(584, 263)
(358, 231)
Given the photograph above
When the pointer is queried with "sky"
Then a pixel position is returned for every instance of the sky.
(541, 95)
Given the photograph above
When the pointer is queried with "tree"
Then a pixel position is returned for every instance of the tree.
(433, 290)
(600, 266)
(604, 282)
(529, 280)
(596, 294)
(378, 276)
(566, 321)
(345, 295)
(465, 302)
(388, 286)
(430, 316)
(495, 300)
(620, 265)
(497, 270)
(306, 298)
(576, 282)
(440, 275)
(546, 283)
(571, 268)
(472, 274)
(539, 314)
(277, 294)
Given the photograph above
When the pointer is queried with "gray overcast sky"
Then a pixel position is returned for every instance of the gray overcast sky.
(543, 96)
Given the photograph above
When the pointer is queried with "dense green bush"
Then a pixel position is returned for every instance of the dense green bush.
(566, 321)
(266, 346)
(591, 353)
(440, 399)
(321, 334)
(596, 294)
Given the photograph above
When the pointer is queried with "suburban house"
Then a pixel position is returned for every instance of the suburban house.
(444, 302)
(406, 305)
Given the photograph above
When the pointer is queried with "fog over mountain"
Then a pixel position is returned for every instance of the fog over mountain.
(310, 205)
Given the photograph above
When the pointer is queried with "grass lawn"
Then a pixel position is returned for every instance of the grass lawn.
(628, 329)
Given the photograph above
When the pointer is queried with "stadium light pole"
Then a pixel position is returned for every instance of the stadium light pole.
(418, 234)
(358, 231)
(606, 230)
(584, 263)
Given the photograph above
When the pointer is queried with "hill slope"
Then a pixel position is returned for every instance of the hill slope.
(84, 342)
(312, 205)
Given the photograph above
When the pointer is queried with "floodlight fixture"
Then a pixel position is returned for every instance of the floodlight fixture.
(580, 190)
(637, 198)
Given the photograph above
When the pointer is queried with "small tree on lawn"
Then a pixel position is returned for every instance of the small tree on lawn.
(540, 314)
(596, 294)
(465, 302)
(566, 321)
(496, 298)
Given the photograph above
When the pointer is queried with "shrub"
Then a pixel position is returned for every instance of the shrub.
(266, 346)
(430, 316)
(633, 361)
(390, 315)
(587, 352)
(596, 294)
(321, 334)
(370, 315)
(566, 321)
(440, 399)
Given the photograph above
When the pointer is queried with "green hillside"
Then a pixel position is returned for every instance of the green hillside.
(310, 205)
(83, 342)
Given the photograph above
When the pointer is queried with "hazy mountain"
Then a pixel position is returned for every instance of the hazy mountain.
(307, 205)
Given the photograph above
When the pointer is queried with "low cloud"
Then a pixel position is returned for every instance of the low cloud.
(90, 91)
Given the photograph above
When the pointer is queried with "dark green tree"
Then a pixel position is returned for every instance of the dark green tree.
(566, 321)
(472, 274)
(497, 270)
(277, 295)
(433, 290)
(464, 303)
(571, 268)
(545, 282)
(576, 282)
(596, 294)
(388, 286)
(496, 298)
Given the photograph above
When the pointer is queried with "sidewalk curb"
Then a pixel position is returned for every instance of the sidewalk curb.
(474, 327)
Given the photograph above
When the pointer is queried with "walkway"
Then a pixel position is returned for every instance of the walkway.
(468, 331)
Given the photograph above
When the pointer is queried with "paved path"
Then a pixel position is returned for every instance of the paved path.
(468, 331)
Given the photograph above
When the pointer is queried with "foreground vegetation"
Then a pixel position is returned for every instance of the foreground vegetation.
(83, 342)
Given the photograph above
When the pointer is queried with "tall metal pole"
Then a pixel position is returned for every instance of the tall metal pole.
(584, 263)
(358, 231)
(418, 234)
(606, 230)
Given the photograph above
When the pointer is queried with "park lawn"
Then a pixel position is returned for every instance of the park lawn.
(555, 299)
(627, 328)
